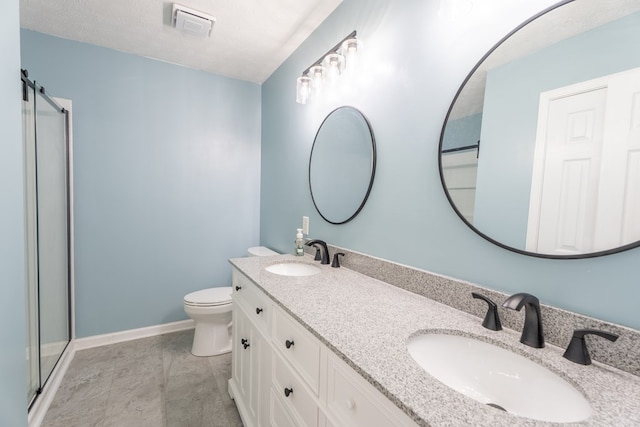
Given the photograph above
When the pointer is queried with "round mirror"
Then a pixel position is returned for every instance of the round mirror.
(540, 150)
(342, 165)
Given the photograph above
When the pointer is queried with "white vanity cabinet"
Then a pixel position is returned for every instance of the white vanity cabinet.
(283, 376)
(251, 361)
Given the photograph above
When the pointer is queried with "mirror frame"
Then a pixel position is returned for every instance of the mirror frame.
(373, 164)
(440, 145)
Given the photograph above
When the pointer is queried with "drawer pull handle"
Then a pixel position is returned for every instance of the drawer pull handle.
(258, 310)
(238, 288)
(245, 343)
(287, 391)
(351, 404)
(288, 343)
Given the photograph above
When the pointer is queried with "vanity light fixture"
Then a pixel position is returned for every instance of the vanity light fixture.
(326, 70)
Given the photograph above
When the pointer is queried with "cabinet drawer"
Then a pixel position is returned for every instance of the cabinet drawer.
(294, 395)
(279, 415)
(353, 402)
(240, 286)
(252, 300)
(298, 346)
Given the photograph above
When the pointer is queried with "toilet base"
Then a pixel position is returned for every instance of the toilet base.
(212, 315)
(211, 339)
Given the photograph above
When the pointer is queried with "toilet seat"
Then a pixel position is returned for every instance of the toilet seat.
(209, 297)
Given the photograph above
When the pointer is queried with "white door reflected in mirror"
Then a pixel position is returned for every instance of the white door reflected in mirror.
(585, 194)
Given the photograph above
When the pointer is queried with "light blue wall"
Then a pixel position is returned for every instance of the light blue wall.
(167, 178)
(13, 392)
(510, 118)
(462, 132)
(415, 64)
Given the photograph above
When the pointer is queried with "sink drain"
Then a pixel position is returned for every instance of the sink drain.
(494, 405)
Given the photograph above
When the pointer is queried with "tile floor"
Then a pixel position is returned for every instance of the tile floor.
(150, 382)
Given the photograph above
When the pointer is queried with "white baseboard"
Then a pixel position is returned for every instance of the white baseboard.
(132, 334)
(41, 405)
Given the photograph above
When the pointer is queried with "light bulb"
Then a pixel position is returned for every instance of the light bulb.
(303, 89)
(350, 48)
(334, 63)
(317, 73)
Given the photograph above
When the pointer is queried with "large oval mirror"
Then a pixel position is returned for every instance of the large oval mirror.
(540, 151)
(342, 165)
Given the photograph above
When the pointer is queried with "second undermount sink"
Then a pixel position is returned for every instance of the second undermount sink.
(293, 269)
(498, 377)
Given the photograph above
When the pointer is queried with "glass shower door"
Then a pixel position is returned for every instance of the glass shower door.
(53, 232)
(31, 294)
(47, 234)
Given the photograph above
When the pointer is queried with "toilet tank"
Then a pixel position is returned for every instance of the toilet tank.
(261, 251)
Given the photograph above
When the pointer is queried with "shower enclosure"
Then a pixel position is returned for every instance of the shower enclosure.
(46, 154)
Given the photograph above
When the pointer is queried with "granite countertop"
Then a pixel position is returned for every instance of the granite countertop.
(368, 322)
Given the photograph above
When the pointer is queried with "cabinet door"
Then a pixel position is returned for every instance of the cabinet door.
(236, 371)
(242, 366)
(251, 370)
(260, 357)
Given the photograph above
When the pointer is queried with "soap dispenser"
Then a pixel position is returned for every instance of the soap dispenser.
(299, 243)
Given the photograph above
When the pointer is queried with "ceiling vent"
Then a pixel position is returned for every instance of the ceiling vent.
(192, 21)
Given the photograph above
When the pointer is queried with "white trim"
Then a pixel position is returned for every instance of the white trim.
(132, 334)
(42, 402)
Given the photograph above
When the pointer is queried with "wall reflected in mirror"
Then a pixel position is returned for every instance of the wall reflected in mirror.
(540, 152)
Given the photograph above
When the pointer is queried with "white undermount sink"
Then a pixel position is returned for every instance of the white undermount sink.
(293, 269)
(498, 377)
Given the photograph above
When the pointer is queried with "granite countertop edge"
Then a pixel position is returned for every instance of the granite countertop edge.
(367, 323)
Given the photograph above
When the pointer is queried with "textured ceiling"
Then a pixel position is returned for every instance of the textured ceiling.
(249, 40)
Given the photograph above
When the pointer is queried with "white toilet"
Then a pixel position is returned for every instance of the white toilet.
(210, 309)
(261, 251)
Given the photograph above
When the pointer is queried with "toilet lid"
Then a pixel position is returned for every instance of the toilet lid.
(209, 297)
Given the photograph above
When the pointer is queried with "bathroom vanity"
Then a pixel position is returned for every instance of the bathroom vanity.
(330, 349)
(285, 376)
